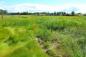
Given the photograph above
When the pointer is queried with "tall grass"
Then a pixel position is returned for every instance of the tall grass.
(62, 36)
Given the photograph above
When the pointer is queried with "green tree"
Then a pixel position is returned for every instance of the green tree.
(72, 13)
(2, 12)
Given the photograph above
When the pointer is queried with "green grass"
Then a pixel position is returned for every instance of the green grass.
(60, 36)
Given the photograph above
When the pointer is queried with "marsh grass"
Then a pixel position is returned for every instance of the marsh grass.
(62, 36)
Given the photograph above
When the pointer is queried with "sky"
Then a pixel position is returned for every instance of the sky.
(43, 5)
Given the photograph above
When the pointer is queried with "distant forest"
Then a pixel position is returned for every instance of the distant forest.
(5, 12)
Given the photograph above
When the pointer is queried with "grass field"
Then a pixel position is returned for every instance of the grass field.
(43, 36)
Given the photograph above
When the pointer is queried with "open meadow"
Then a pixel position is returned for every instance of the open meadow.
(42, 36)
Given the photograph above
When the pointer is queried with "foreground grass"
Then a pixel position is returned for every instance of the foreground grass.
(43, 36)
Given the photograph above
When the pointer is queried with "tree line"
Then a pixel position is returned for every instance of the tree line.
(4, 12)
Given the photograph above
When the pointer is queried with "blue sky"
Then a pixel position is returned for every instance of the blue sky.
(21, 5)
(50, 2)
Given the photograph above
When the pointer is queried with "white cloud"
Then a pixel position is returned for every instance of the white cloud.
(2, 7)
(42, 7)
(33, 7)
